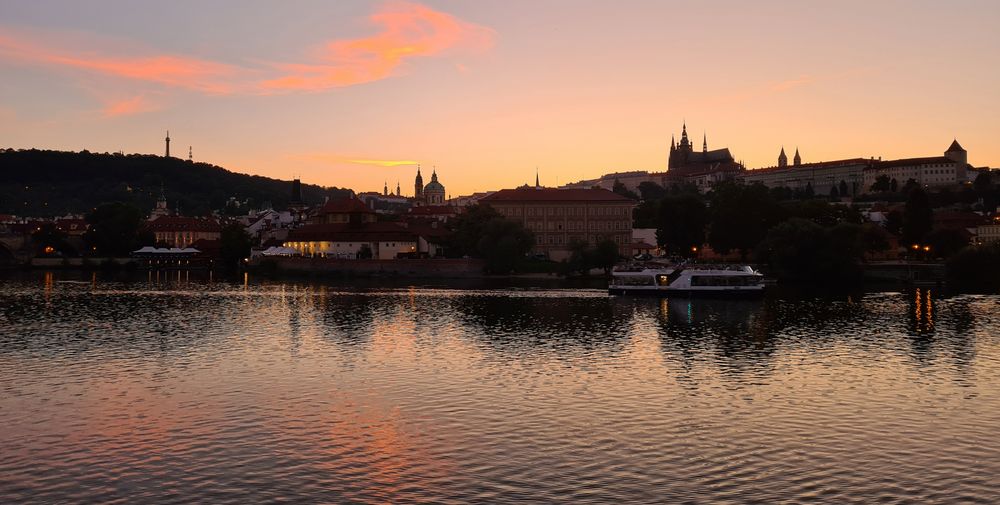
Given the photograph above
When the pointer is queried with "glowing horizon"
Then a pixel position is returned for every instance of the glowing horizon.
(357, 95)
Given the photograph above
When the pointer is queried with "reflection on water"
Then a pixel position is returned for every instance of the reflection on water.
(180, 388)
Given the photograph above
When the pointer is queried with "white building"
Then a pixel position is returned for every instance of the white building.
(935, 171)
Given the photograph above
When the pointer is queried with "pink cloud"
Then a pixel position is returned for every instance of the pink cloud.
(407, 31)
(168, 70)
(135, 105)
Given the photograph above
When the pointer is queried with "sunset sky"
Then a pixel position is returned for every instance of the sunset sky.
(353, 94)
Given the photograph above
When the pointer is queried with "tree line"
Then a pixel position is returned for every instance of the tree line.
(54, 183)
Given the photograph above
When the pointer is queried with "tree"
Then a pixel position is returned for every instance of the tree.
(681, 224)
(976, 267)
(234, 244)
(834, 193)
(910, 185)
(843, 188)
(579, 258)
(117, 229)
(646, 214)
(651, 191)
(467, 228)
(893, 185)
(809, 192)
(894, 222)
(983, 182)
(874, 238)
(503, 243)
(799, 250)
(739, 217)
(917, 217)
(882, 184)
(606, 255)
(944, 243)
(620, 189)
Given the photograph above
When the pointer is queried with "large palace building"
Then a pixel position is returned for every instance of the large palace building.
(559, 217)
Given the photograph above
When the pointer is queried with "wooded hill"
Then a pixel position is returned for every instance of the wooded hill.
(54, 183)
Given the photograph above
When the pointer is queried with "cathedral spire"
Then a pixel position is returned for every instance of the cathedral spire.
(782, 158)
(797, 160)
(704, 142)
(537, 185)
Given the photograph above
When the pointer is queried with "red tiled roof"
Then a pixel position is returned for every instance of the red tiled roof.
(556, 195)
(345, 206)
(178, 223)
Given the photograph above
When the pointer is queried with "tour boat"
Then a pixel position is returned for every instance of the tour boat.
(720, 280)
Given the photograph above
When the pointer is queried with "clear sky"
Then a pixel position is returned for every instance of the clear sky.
(353, 94)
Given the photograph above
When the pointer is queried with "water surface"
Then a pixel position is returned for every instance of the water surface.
(173, 390)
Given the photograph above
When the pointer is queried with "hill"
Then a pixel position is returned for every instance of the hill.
(53, 183)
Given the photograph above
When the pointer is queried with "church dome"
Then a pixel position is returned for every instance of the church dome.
(434, 186)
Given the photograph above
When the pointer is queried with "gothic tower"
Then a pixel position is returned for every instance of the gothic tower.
(782, 158)
(797, 160)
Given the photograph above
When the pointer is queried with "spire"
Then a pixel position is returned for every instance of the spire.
(385, 188)
(434, 174)
(537, 185)
(398, 192)
(418, 184)
(190, 154)
(704, 142)
(672, 143)
(782, 158)
(797, 160)
(167, 155)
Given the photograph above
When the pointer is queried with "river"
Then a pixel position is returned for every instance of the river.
(172, 389)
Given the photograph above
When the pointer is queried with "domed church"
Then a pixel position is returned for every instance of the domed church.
(431, 194)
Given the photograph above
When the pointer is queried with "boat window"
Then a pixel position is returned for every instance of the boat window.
(634, 280)
(662, 280)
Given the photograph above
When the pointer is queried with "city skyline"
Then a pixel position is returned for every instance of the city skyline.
(356, 95)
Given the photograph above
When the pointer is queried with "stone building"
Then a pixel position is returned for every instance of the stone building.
(559, 217)
(934, 171)
(177, 231)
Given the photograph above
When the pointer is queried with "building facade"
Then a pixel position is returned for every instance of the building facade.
(821, 177)
(180, 232)
(560, 217)
(935, 171)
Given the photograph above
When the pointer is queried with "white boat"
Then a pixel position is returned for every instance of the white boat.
(718, 280)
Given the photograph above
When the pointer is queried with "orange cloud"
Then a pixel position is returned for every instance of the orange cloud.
(135, 105)
(339, 158)
(408, 31)
(169, 70)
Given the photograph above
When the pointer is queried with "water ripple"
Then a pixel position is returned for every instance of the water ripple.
(179, 392)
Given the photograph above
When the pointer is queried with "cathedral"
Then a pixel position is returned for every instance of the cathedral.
(685, 161)
(431, 194)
